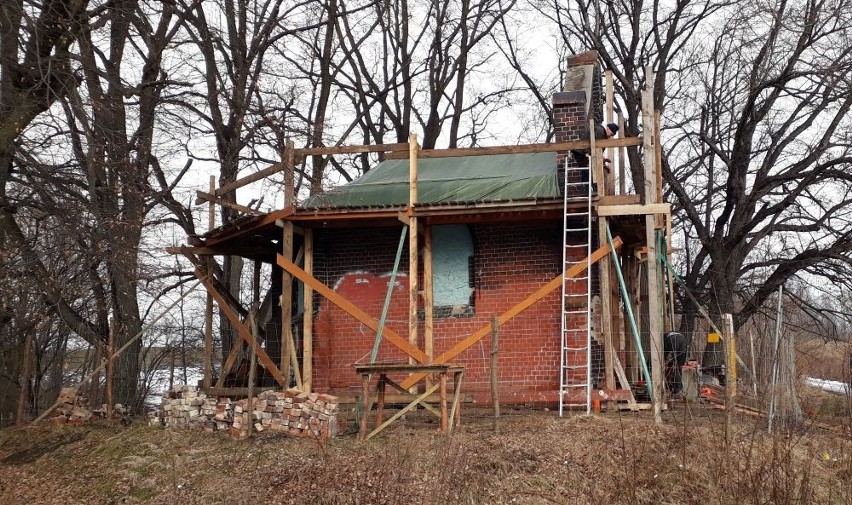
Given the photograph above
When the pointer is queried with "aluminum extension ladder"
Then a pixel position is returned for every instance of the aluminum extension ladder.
(575, 379)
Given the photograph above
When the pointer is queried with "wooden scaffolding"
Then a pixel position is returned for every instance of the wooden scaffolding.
(636, 221)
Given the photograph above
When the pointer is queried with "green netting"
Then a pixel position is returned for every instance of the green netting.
(501, 177)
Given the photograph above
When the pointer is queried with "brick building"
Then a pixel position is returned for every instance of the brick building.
(511, 235)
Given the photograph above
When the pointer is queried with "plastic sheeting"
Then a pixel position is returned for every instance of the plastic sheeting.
(492, 178)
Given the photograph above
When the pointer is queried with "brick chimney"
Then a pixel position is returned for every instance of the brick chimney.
(581, 99)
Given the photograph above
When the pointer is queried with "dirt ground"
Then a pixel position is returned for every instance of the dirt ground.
(538, 457)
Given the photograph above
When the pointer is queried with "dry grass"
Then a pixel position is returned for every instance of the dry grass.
(537, 458)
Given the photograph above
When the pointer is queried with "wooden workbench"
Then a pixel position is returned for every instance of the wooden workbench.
(383, 369)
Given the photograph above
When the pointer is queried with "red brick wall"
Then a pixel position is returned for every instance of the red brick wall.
(511, 262)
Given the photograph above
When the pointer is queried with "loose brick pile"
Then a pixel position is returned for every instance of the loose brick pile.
(73, 409)
(292, 412)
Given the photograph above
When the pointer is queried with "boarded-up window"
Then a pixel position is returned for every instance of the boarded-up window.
(452, 253)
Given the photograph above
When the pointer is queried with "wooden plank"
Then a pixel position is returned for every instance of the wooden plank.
(294, 364)
(286, 302)
(629, 210)
(365, 406)
(609, 110)
(515, 310)
(375, 148)
(374, 368)
(252, 321)
(406, 396)
(308, 319)
(413, 258)
(655, 328)
(264, 254)
(242, 330)
(388, 334)
(606, 309)
(402, 412)
(622, 377)
(262, 174)
(247, 229)
(201, 197)
(234, 303)
(521, 149)
(620, 200)
(455, 413)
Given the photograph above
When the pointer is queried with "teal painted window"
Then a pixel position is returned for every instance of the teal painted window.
(452, 253)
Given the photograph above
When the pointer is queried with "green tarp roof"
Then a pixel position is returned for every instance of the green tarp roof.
(492, 178)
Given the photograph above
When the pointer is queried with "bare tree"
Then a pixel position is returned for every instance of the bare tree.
(756, 105)
(761, 166)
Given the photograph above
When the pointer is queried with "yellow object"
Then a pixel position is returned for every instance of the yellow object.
(713, 338)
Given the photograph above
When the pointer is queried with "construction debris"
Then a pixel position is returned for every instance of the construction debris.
(292, 412)
(73, 409)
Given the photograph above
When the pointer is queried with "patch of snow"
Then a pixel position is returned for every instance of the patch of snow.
(837, 387)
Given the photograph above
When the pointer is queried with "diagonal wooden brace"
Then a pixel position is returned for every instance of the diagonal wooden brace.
(202, 265)
(242, 331)
(390, 335)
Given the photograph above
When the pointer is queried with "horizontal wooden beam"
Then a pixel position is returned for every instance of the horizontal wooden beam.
(629, 210)
(388, 334)
(266, 254)
(521, 149)
(375, 148)
(201, 196)
(545, 290)
(620, 200)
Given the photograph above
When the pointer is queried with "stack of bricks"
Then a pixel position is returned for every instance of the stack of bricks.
(292, 412)
(182, 406)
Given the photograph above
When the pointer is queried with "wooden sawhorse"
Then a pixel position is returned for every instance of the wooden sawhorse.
(383, 369)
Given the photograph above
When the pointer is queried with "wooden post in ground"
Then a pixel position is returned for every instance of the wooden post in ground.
(413, 294)
(253, 328)
(252, 365)
(208, 309)
(603, 265)
(287, 253)
(495, 393)
(308, 318)
(26, 371)
(655, 327)
(730, 371)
